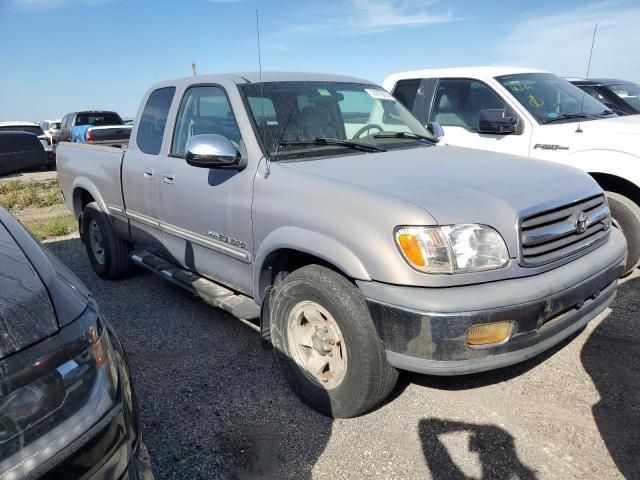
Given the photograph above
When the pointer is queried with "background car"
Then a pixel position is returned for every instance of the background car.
(34, 128)
(100, 127)
(20, 151)
(67, 406)
(621, 96)
(50, 127)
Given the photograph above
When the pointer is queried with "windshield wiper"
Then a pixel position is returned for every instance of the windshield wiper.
(606, 112)
(322, 141)
(567, 116)
(409, 135)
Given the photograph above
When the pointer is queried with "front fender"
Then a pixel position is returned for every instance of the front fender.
(312, 243)
(612, 162)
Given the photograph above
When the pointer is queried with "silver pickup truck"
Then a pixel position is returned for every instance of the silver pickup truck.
(320, 208)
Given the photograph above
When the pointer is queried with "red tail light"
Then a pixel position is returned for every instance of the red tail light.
(90, 137)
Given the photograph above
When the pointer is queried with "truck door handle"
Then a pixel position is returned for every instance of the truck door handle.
(148, 173)
(169, 178)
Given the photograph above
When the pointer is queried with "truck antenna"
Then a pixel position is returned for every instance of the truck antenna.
(264, 123)
(193, 69)
(593, 41)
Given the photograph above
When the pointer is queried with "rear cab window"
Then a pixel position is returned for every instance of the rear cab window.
(416, 95)
(154, 120)
(98, 119)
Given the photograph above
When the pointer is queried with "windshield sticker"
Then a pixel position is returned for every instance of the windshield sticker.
(535, 102)
(324, 92)
(379, 94)
(520, 87)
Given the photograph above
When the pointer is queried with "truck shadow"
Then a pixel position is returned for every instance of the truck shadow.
(213, 403)
(494, 446)
(611, 356)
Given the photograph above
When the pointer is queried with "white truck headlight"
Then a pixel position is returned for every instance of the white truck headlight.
(452, 248)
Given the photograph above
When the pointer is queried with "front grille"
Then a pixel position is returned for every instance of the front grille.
(551, 235)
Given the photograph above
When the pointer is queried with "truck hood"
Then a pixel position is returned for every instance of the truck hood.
(623, 125)
(460, 185)
(26, 314)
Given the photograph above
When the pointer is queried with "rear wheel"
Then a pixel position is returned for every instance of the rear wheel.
(108, 254)
(626, 216)
(327, 344)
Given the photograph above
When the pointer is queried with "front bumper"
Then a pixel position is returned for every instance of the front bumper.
(424, 330)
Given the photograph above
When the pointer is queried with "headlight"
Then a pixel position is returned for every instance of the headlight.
(56, 400)
(452, 248)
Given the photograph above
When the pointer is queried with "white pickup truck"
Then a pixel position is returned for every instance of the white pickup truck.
(535, 114)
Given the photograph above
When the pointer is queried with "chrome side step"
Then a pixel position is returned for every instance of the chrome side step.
(238, 305)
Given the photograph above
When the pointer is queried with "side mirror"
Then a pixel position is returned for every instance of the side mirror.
(436, 130)
(496, 121)
(212, 151)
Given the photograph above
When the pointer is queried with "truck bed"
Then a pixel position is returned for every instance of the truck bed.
(94, 167)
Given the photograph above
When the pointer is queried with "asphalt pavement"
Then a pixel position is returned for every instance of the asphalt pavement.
(214, 404)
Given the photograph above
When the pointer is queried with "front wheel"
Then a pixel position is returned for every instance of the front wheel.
(327, 344)
(625, 214)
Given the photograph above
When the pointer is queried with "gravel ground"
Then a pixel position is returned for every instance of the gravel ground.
(214, 405)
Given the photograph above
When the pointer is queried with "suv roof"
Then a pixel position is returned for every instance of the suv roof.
(596, 82)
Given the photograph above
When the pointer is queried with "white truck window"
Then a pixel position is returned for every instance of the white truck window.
(458, 103)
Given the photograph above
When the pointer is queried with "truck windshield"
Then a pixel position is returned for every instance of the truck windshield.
(98, 119)
(301, 119)
(550, 98)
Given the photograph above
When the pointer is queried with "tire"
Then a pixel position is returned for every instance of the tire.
(626, 216)
(114, 261)
(362, 378)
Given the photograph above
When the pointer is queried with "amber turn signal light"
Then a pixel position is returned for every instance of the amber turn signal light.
(489, 333)
(411, 248)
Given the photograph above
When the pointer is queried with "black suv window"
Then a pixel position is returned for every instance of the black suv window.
(458, 102)
(153, 120)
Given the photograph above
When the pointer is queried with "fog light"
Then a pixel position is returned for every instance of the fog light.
(488, 333)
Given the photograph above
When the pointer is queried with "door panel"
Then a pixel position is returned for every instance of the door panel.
(141, 171)
(206, 213)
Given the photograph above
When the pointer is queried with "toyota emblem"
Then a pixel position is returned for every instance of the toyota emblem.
(582, 222)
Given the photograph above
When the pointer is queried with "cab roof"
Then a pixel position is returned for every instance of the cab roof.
(462, 72)
(240, 78)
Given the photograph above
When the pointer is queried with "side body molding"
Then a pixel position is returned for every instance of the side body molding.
(313, 243)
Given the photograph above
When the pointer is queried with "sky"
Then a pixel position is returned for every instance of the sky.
(58, 56)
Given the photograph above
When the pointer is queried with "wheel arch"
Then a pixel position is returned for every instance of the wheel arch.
(290, 248)
(617, 184)
(84, 192)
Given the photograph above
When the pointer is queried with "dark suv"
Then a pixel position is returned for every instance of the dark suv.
(621, 96)
(67, 407)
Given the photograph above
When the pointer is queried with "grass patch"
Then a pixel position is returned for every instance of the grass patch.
(17, 195)
(45, 228)
(39, 207)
